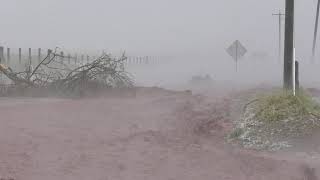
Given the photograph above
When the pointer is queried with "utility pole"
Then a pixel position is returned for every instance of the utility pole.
(315, 32)
(280, 31)
(288, 78)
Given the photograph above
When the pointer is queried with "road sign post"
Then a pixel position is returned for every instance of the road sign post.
(236, 51)
(237, 57)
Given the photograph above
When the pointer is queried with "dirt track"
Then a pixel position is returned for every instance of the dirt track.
(153, 135)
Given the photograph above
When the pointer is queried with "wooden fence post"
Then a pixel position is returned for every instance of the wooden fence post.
(49, 54)
(1, 55)
(8, 55)
(297, 75)
(75, 59)
(39, 55)
(20, 55)
(61, 56)
(30, 56)
(82, 58)
(69, 58)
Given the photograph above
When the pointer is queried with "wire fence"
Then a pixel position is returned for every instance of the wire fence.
(19, 59)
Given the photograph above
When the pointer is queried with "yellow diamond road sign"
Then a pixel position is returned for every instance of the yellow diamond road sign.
(236, 50)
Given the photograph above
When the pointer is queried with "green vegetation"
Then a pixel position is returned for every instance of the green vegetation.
(273, 120)
(283, 106)
(236, 133)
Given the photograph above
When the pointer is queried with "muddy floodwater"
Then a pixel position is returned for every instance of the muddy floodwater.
(148, 135)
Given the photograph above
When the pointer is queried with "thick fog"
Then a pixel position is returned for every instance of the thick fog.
(195, 33)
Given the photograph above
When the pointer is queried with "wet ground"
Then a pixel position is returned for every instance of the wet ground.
(152, 134)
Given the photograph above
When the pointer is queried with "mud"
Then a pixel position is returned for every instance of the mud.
(150, 134)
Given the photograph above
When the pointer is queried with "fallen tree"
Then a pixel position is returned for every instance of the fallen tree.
(52, 73)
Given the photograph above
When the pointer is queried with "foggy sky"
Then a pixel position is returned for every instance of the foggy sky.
(151, 26)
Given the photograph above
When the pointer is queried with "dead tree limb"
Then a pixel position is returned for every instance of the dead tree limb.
(105, 71)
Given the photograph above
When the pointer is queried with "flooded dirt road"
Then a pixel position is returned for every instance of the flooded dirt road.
(153, 135)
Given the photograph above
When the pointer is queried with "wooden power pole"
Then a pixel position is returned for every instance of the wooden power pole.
(315, 32)
(288, 83)
(280, 32)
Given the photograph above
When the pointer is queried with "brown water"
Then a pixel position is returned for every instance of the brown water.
(154, 134)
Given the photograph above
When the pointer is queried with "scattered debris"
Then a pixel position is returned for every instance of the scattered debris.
(54, 75)
(198, 80)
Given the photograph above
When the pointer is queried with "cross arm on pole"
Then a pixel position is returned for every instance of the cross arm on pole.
(279, 14)
(280, 31)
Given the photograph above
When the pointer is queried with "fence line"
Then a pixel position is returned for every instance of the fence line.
(10, 58)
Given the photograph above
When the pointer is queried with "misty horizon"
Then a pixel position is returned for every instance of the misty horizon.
(151, 27)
